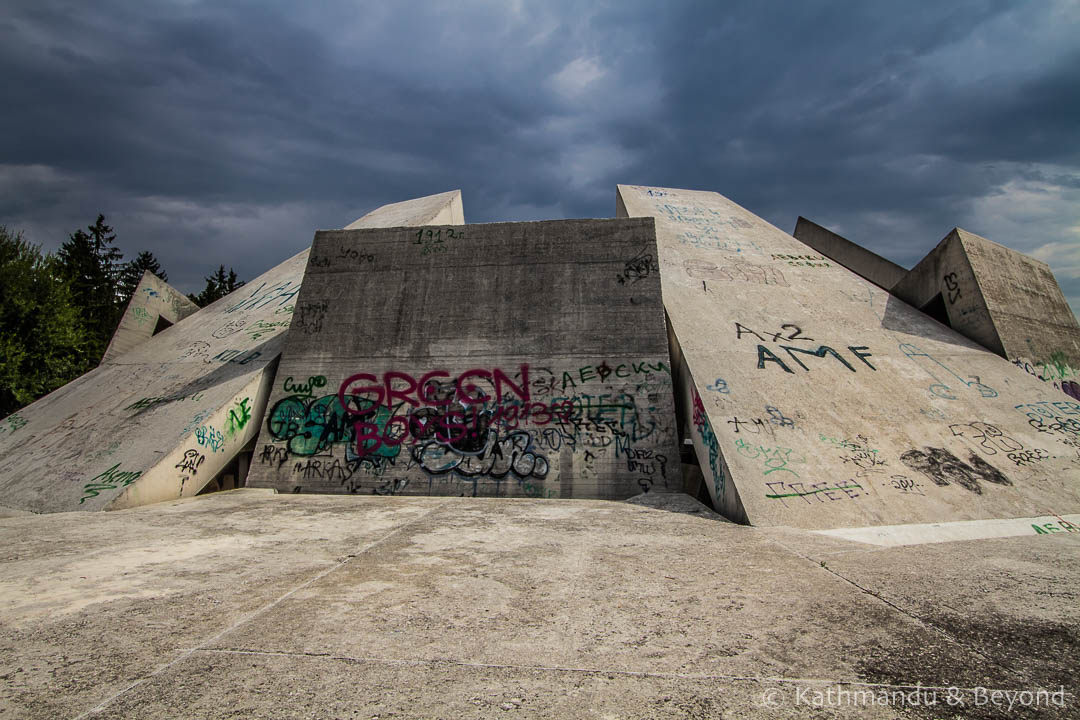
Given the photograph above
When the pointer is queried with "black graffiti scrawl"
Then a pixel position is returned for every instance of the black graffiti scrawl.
(944, 468)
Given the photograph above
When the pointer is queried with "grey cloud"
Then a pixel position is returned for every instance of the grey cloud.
(889, 122)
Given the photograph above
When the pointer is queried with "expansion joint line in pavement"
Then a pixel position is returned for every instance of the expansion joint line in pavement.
(920, 621)
(585, 670)
(185, 654)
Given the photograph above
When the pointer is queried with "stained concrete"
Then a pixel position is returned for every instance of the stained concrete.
(154, 306)
(503, 359)
(1006, 301)
(163, 419)
(878, 270)
(246, 604)
(817, 400)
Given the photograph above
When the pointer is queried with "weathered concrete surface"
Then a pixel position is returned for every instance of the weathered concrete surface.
(815, 399)
(1004, 300)
(249, 605)
(154, 306)
(504, 359)
(161, 420)
(883, 273)
(442, 209)
(923, 533)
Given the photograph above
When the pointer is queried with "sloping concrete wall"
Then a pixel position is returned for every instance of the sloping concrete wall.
(815, 399)
(1036, 326)
(152, 300)
(160, 421)
(442, 209)
(1004, 300)
(946, 272)
(883, 273)
(505, 359)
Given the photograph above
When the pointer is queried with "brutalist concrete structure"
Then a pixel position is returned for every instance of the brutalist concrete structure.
(427, 356)
(505, 359)
(815, 399)
(177, 413)
(154, 306)
(878, 270)
(1006, 301)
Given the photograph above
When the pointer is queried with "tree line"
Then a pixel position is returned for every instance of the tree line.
(58, 311)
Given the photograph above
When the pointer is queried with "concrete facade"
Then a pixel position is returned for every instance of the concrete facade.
(163, 419)
(815, 399)
(1004, 300)
(883, 273)
(505, 359)
(154, 306)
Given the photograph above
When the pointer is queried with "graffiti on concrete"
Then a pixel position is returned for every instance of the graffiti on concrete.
(238, 417)
(111, 479)
(940, 372)
(944, 468)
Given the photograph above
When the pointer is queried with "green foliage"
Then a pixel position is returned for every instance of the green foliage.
(59, 312)
(43, 340)
(92, 267)
(131, 273)
(218, 286)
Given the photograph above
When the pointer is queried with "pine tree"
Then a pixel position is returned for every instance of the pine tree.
(131, 273)
(92, 266)
(218, 286)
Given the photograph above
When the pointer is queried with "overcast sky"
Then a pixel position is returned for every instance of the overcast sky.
(227, 132)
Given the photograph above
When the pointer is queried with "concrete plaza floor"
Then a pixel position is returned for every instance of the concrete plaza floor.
(248, 604)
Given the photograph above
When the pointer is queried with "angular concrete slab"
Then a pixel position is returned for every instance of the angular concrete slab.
(256, 605)
(1004, 300)
(878, 270)
(817, 400)
(163, 419)
(505, 359)
(154, 306)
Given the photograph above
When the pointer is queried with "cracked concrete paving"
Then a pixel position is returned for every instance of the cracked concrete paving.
(247, 604)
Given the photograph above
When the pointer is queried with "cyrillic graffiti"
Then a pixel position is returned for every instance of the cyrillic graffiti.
(819, 492)
(304, 389)
(603, 371)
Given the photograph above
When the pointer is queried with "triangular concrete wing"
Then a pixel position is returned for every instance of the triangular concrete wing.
(815, 399)
(162, 420)
(154, 306)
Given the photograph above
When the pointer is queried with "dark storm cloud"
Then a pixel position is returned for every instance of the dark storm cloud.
(226, 132)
